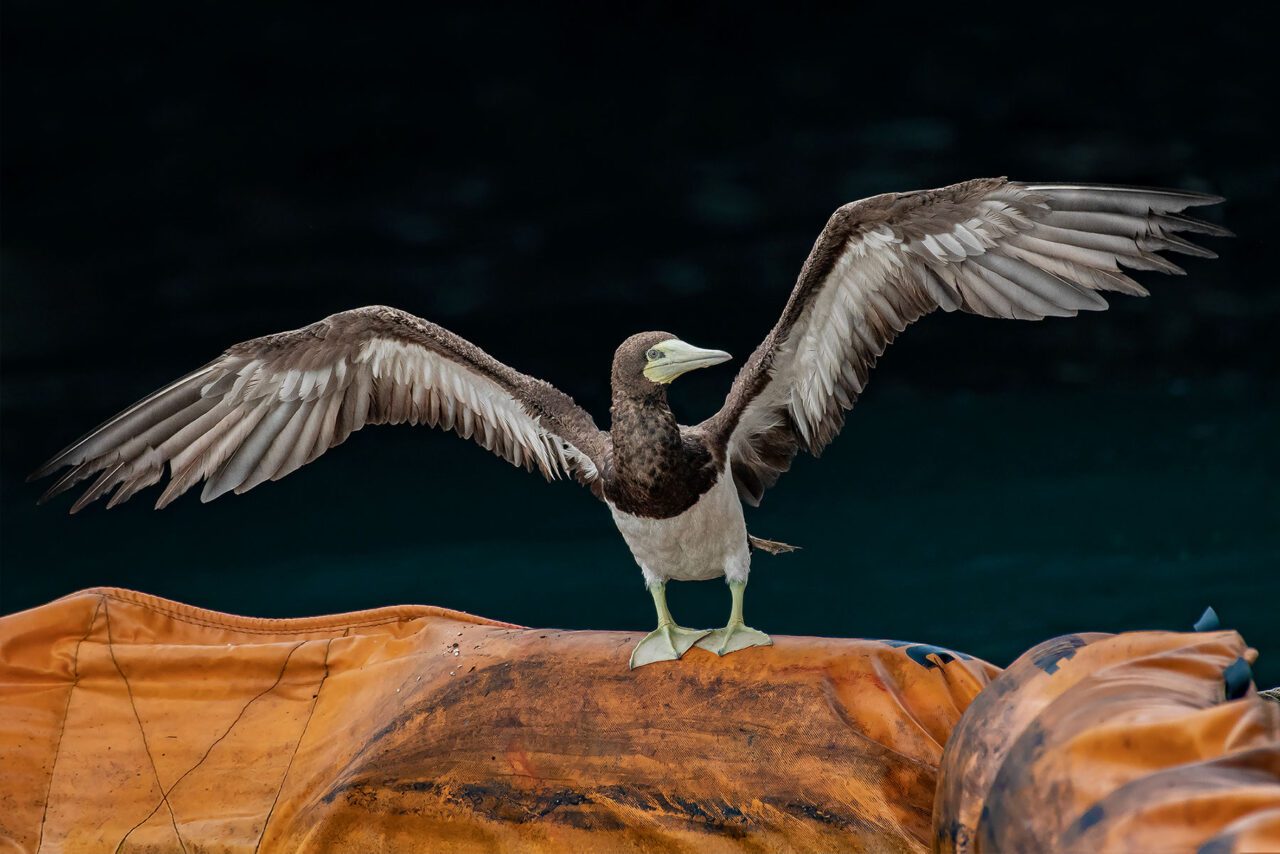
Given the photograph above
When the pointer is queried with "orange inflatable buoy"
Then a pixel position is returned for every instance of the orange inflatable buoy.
(1147, 741)
(130, 723)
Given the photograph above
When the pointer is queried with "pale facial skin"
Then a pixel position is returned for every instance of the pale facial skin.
(669, 359)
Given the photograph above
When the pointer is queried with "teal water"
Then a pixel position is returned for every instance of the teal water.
(982, 522)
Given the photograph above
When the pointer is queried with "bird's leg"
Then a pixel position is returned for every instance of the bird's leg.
(736, 635)
(668, 641)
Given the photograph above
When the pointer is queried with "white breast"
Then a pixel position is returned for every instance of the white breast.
(706, 541)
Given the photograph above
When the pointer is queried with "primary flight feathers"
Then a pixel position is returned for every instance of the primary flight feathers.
(268, 406)
(990, 246)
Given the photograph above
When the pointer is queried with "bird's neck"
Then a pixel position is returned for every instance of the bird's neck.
(656, 472)
(644, 429)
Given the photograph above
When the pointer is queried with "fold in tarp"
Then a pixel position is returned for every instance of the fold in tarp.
(131, 723)
(1091, 743)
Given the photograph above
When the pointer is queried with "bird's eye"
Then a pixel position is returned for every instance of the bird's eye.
(654, 355)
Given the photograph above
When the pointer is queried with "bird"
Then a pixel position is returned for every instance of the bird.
(991, 247)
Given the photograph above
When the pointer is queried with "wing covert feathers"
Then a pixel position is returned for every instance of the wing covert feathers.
(271, 405)
(989, 246)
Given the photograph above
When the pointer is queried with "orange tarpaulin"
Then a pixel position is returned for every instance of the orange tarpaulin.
(131, 723)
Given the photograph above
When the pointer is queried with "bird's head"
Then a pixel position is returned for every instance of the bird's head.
(656, 358)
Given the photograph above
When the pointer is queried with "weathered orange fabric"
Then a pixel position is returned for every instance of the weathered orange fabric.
(130, 723)
(1093, 743)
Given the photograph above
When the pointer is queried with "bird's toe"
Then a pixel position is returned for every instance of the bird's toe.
(733, 638)
(665, 643)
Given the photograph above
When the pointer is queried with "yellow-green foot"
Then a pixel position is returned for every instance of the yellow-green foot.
(732, 638)
(665, 643)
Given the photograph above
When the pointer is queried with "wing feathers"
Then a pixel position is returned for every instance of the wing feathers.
(990, 247)
(1056, 291)
(980, 296)
(271, 405)
(100, 487)
(244, 461)
(68, 480)
(128, 488)
(133, 420)
(1026, 303)
(1081, 255)
(324, 438)
(272, 466)
(1171, 222)
(1174, 243)
(300, 453)
(1125, 200)
(943, 295)
(225, 444)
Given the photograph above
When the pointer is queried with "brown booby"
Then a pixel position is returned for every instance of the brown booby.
(991, 247)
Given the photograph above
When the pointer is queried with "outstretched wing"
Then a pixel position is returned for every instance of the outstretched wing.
(268, 406)
(990, 246)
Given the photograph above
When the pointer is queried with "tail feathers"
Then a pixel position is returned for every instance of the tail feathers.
(773, 547)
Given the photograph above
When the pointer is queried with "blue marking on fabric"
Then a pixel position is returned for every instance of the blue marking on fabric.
(1049, 661)
(1091, 816)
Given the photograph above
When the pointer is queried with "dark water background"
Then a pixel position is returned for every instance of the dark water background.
(178, 178)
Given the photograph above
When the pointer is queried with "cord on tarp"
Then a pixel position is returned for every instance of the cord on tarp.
(1208, 621)
(1238, 675)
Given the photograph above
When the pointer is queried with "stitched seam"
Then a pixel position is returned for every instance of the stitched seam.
(264, 692)
(158, 603)
(57, 750)
(302, 626)
(187, 618)
(173, 820)
(298, 744)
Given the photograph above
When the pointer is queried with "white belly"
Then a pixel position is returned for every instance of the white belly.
(706, 541)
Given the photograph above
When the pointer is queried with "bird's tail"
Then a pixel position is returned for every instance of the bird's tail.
(773, 547)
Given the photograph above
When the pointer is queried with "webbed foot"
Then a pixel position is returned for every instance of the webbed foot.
(732, 638)
(665, 643)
